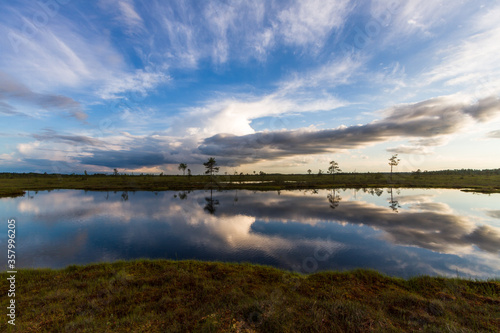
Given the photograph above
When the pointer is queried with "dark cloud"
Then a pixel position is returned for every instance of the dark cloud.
(484, 109)
(126, 159)
(425, 120)
(140, 152)
(409, 150)
(494, 134)
(493, 213)
(425, 124)
(50, 135)
(486, 238)
(137, 152)
(10, 89)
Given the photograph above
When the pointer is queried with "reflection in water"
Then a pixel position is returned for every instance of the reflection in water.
(211, 203)
(434, 232)
(394, 204)
(333, 198)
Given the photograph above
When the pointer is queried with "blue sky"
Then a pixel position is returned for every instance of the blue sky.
(277, 86)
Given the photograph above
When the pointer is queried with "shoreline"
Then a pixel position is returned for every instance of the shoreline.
(13, 185)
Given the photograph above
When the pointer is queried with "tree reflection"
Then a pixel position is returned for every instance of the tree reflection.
(313, 191)
(333, 198)
(373, 191)
(394, 204)
(125, 196)
(211, 203)
(235, 200)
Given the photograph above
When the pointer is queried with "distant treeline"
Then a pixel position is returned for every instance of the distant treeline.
(466, 172)
(438, 172)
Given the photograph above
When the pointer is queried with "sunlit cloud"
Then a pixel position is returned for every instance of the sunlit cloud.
(427, 119)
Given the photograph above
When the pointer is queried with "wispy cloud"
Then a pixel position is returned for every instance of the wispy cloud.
(140, 82)
(241, 30)
(309, 23)
(53, 136)
(8, 109)
(62, 56)
(467, 62)
(124, 14)
(412, 18)
(11, 90)
(129, 14)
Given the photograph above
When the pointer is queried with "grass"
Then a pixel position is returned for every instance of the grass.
(14, 184)
(194, 296)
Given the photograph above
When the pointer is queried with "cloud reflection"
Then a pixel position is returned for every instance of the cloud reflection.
(279, 229)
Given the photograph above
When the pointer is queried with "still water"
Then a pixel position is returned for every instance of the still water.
(401, 232)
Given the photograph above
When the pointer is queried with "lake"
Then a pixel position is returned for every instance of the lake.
(400, 232)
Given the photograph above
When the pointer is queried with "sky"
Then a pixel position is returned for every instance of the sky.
(273, 86)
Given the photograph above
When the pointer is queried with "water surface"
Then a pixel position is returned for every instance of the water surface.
(403, 232)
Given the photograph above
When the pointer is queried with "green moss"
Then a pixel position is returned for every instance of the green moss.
(193, 296)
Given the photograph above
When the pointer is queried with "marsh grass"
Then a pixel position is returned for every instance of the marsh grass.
(193, 296)
(14, 184)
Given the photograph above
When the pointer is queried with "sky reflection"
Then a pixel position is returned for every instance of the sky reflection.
(400, 232)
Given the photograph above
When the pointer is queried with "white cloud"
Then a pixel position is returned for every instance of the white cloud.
(233, 115)
(241, 30)
(472, 63)
(221, 18)
(328, 76)
(309, 23)
(131, 17)
(139, 81)
(62, 56)
(125, 14)
(412, 17)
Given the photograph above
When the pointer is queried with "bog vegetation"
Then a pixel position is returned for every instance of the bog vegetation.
(193, 296)
(15, 184)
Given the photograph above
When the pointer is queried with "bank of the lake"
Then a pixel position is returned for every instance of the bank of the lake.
(194, 296)
(485, 181)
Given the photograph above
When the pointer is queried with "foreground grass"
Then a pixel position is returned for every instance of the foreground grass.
(479, 181)
(193, 296)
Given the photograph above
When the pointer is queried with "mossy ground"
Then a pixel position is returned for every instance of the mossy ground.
(194, 296)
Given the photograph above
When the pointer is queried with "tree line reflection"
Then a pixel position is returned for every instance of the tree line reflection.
(279, 226)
